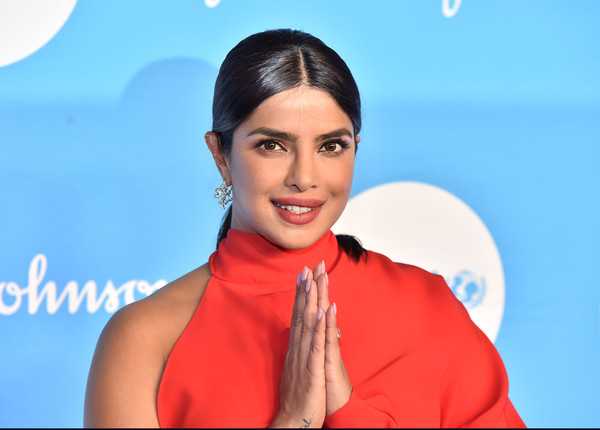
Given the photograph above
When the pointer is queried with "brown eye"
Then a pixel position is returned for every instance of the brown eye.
(332, 145)
(268, 145)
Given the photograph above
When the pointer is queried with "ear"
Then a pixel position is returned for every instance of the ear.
(214, 146)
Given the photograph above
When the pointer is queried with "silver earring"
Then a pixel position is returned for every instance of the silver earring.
(224, 194)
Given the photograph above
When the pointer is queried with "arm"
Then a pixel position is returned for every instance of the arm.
(124, 372)
(474, 386)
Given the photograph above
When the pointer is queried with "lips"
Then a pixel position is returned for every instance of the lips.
(297, 218)
(295, 201)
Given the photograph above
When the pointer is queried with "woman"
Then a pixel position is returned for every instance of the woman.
(251, 337)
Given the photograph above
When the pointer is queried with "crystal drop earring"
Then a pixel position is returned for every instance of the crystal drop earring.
(224, 194)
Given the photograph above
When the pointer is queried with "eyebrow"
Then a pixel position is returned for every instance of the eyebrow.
(283, 135)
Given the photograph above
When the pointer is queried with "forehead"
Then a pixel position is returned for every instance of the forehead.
(302, 110)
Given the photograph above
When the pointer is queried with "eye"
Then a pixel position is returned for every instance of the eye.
(268, 145)
(332, 144)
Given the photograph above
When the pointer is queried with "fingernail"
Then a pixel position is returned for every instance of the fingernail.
(334, 309)
(307, 286)
(320, 269)
(326, 279)
(305, 273)
(320, 313)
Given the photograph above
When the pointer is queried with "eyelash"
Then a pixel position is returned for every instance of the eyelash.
(340, 142)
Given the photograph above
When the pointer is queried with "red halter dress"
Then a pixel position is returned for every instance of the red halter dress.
(414, 356)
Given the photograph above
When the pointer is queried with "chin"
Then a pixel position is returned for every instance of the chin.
(289, 235)
(296, 237)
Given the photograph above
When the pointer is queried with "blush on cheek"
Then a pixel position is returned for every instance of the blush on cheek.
(336, 206)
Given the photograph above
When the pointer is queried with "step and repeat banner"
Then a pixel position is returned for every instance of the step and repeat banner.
(478, 160)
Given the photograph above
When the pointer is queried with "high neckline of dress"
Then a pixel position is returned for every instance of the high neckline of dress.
(258, 265)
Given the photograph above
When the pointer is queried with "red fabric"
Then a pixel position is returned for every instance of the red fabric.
(414, 356)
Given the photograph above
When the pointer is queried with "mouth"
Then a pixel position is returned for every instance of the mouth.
(296, 214)
(298, 210)
(299, 202)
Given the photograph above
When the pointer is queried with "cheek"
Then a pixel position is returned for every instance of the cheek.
(256, 177)
(340, 180)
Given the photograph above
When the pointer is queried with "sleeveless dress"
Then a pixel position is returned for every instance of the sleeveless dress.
(414, 356)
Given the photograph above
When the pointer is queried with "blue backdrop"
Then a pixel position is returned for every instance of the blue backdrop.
(105, 179)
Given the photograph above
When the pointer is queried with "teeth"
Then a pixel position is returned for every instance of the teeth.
(296, 209)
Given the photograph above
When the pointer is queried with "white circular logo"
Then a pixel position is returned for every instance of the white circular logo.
(27, 25)
(426, 226)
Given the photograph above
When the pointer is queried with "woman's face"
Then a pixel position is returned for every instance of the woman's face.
(296, 144)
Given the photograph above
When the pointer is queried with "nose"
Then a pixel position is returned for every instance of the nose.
(302, 172)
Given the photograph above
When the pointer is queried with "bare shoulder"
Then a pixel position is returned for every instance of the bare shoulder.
(131, 352)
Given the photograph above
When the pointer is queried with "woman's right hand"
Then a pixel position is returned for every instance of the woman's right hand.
(302, 387)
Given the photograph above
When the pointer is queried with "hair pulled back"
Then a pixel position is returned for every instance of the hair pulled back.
(266, 63)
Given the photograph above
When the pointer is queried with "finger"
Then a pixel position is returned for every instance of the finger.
(316, 359)
(332, 345)
(319, 269)
(323, 287)
(296, 319)
(298, 308)
(308, 323)
(295, 345)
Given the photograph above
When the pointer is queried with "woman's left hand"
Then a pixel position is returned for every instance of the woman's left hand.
(338, 386)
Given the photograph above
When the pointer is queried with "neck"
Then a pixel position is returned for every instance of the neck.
(254, 262)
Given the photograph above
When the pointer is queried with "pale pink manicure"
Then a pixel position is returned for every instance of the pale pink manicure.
(334, 309)
(302, 276)
(320, 313)
(317, 270)
(320, 269)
